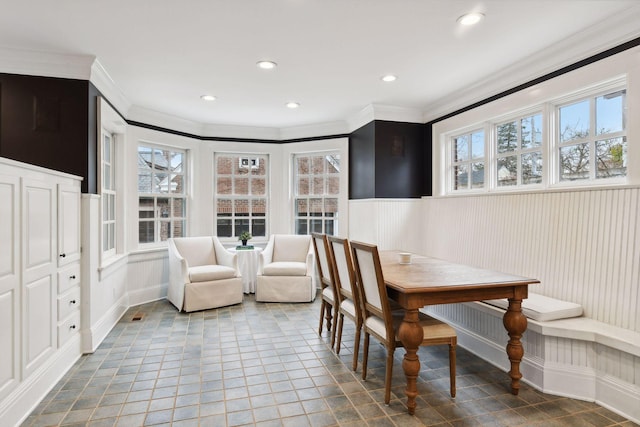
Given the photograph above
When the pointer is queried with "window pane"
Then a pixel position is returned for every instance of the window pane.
(507, 137)
(106, 149)
(318, 185)
(259, 207)
(241, 225)
(164, 208)
(477, 175)
(241, 207)
(315, 226)
(177, 184)
(333, 185)
(224, 185)
(241, 186)
(161, 182)
(574, 121)
(144, 181)
(224, 207)
(330, 207)
(223, 228)
(329, 227)
(574, 162)
(112, 207)
(224, 165)
(258, 227)
(106, 176)
(611, 157)
(261, 168)
(303, 186)
(302, 207)
(315, 207)
(146, 207)
(146, 232)
(179, 229)
(301, 226)
(461, 148)
(177, 160)
(460, 177)
(165, 230)
(507, 171)
(179, 208)
(477, 145)
(105, 237)
(531, 131)
(532, 168)
(258, 186)
(333, 165)
(610, 115)
(303, 166)
(317, 165)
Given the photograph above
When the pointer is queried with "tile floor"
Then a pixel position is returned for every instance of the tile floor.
(264, 364)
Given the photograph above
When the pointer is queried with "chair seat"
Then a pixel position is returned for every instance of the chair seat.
(327, 294)
(432, 328)
(347, 306)
(285, 268)
(205, 273)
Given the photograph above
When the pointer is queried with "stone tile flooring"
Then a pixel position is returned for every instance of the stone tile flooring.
(265, 365)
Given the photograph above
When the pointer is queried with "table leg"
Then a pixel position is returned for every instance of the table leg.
(411, 335)
(515, 323)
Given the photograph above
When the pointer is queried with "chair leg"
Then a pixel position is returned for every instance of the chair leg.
(387, 376)
(452, 368)
(356, 348)
(365, 355)
(339, 333)
(328, 309)
(323, 307)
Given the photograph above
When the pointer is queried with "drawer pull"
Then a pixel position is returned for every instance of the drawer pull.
(72, 277)
(72, 327)
(63, 255)
(72, 302)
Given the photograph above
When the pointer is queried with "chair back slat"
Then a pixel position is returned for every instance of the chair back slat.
(371, 282)
(345, 276)
(323, 264)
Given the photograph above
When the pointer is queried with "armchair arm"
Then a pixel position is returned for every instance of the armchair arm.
(225, 257)
(266, 256)
(178, 275)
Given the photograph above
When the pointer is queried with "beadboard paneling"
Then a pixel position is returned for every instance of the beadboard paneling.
(584, 246)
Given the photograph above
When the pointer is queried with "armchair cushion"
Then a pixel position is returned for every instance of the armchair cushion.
(204, 273)
(285, 268)
(291, 248)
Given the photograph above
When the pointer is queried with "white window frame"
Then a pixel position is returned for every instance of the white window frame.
(108, 195)
(246, 161)
(452, 164)
(158, 219)
(550, 147)
(325, 195)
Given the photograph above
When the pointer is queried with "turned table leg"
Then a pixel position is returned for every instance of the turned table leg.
(515, 323)
(411, 335)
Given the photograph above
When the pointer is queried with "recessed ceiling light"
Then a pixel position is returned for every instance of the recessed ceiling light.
(470, 18)
(292, 104)
(388, 78)
(208, 98)
(266, 65)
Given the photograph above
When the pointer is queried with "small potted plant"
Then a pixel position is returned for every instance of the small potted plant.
(244, 236)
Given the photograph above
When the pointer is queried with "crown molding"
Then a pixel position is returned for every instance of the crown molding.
(618, 29)
(108, 88)
(309, 131)
(46, 64)
(397, 114)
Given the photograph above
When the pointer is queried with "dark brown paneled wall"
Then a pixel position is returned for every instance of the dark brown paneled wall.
(45, 121)
(389, 160)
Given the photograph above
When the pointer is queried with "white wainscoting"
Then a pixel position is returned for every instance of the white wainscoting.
(584, 246)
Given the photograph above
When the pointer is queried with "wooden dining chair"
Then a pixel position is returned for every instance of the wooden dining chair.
(346, 292)
(328, 306)
(379, 321)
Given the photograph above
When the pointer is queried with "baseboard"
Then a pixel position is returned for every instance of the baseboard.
(148, 294)
(17, 406)
(93, 336)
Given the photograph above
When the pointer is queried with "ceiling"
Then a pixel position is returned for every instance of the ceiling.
(162, 55)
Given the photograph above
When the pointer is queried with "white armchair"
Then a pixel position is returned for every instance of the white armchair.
(285, 271)
(202, 274)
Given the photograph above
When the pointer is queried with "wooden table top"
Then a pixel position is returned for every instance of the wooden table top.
(425, 274)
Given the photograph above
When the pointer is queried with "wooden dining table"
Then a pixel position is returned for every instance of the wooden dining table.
(429, 281)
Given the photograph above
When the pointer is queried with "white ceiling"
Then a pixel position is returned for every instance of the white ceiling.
(163, 54)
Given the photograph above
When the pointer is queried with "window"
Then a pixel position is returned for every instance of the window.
(580, 139)
(162, 197)
(241, 191)
(467, 161)
(519, 151)
(316, 190)
(108, 194)
(592, 141)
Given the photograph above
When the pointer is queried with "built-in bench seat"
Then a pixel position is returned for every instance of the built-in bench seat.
(542, 308)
